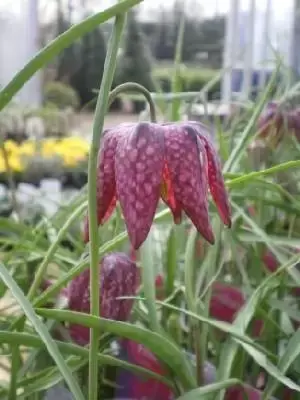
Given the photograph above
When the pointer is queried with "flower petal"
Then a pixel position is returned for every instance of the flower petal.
(188, 174)
(216, 181)
(167, 194)
(139, 167)
(106, 184)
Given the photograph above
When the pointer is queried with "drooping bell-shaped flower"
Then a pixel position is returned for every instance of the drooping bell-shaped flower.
(139, 163)
(225, 303)
(132, 386)
(270, 261)
(119, 276)
(275, 120)
(271, 118)
(242, 392)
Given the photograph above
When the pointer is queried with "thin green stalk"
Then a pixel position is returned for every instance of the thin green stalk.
(101, 108)
(130, 87)
(51, 251)
(236, 154)
(213, 255)
(15, 365)
(265, 172)
(176, 81)
(148, 277)
(98, 127)
(189, 279)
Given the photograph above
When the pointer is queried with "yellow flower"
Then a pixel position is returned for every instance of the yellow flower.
(15, 164)
(76, 143)
(27, 148)
(70, 160)
(11, 146)
(2, 166)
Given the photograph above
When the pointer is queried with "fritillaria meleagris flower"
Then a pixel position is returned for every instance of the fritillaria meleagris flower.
(241, 392)
(226, 301)
(274, 120)
(139, 163)
(119, 276)
(134, 387)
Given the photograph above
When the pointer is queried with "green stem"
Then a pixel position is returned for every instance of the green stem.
(257, 174)
(40, 273)
(134, 87)
(213, 256)
(189, 280)
(103, 102)
(101, 108)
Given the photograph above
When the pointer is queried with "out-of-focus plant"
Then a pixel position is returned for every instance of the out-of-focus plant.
(33, 160)
(61, 95)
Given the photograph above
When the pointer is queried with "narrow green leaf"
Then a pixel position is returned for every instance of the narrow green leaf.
(189, 273)
(260, 232)
(165, 350)
(258, 174)
(42, 331)
(176, 81)
(237, 153)
(148, 274)
(243, 319)
(272, 370)
(290, 354)
(28, 340)
(40, 273)
(171, 261)
(206, 391)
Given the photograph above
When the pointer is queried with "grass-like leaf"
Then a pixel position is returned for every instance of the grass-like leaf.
(42, 331)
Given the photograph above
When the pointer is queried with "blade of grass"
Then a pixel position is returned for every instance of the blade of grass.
(42, 331)
(290, 354)
(269, 171)
(147, 266)
(171, 261)
(243, 319)
(293, 272)
(40, 273)
(176, 80)
(236, 154)
(160, 345)
(29, 340)
(206, 391)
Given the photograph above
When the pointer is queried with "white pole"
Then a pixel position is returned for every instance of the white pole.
(291, 35)
(31, 93)
(230, 50)
(265, 44)
(248, 61)
(296, 38)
